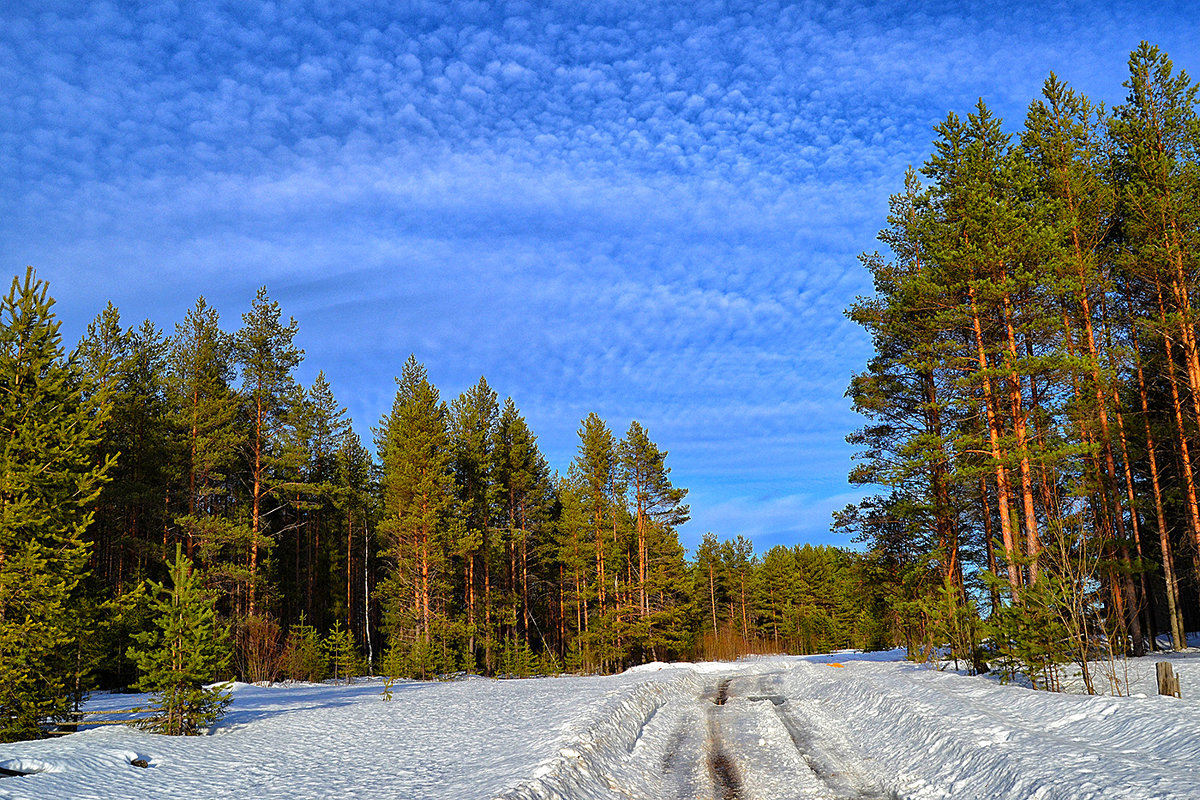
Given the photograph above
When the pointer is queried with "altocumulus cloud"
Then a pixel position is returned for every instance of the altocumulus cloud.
(650, 210)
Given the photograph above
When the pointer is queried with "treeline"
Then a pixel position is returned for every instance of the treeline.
(176, 507)
(1034, 394)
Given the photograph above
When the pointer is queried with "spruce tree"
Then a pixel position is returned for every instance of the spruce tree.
(49, 481)
(187, 649)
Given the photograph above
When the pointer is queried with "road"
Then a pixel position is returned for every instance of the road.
(757, 744)
(781, 728)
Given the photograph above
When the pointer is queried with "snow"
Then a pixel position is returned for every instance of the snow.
(837, 726)
(459, 739)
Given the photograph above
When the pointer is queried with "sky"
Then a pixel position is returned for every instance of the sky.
(649, 210)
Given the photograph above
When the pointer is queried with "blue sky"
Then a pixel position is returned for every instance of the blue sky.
(647, 210)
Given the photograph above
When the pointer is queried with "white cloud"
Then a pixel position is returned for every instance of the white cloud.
(655, 220)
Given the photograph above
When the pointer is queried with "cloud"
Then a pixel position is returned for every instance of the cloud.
(770, 520)
(651, 211)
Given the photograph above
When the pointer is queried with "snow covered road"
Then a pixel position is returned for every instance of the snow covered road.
(869, 727)
(857, 727)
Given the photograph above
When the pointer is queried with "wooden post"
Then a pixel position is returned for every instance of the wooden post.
(1168, 681)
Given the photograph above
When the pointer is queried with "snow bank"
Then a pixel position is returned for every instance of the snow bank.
(946, 735)
(596, 760)
(456, 740)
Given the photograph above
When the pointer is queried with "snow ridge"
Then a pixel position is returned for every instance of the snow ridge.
(953, 736)
(601, 754)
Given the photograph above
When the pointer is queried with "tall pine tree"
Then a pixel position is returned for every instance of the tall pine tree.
(418, 494)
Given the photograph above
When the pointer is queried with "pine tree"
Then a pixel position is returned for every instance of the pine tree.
(1156, 151)
(708, 590)
(664, 632)
(354, 498)
(574, 558)
(188, 649)
(338, 646)
(739, 563)
(50, 422)
(1062, 141)
(524, 499)
(304, 480)
(473, 416)
(200, 364)
(417, 496)
(1041, 298)
(130, 529)
(102, 354)
(267, 356)
(303, 656)
(656, 502)
(594, 472)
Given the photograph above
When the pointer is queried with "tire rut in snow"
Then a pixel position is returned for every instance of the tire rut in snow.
(725, 775)
(726, 780)
(832, 763)
(830, 767)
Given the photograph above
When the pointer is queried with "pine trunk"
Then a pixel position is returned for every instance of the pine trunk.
(1002, 487)
(1174, 610)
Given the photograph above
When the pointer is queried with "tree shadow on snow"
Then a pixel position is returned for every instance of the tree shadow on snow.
(252, 703)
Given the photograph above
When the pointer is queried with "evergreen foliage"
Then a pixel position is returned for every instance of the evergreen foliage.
(305, 657)
(417, 494)
(267, 357)
(51, 419)
(1035, 386)
(187, 648)
(340, 653)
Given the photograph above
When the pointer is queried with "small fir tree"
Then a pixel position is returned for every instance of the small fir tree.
(186, 650)
(338, 647)
(304, 656)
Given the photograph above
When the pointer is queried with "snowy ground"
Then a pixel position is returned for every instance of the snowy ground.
(845, 726)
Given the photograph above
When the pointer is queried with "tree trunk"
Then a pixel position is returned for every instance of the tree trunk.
(712, 593)
(988, 541)
(1002, 487)
(1174, 611)
(256, 514)
(1185, 456)
(1033, 543)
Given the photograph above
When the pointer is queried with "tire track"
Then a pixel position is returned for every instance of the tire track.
(764, 745)
(832, 768)
(726, 780)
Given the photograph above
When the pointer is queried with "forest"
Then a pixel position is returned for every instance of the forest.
(178, 509)
(1033, 399)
